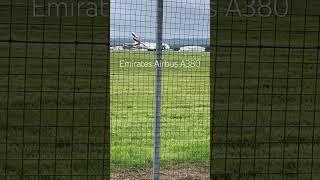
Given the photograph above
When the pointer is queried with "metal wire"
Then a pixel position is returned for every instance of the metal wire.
(185, 130)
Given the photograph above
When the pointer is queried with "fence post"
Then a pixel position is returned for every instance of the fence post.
(157, 113)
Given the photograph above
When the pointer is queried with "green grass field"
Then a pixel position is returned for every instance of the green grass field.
(185, 119)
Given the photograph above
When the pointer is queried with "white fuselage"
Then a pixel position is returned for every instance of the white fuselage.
(147, 45)
(153, 46)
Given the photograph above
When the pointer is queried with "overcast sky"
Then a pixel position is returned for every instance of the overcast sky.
(182, 18)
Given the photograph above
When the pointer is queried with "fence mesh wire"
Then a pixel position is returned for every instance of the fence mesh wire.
(265, 90)
(53, 93)
(185, 121)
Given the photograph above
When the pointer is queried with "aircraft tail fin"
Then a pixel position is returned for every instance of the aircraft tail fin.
(136, 39)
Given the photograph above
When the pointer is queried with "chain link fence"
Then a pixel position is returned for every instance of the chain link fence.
(53, 90)
(265, 90)
(184, 117)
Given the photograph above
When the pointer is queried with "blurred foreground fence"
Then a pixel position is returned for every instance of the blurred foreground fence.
(54, 88)
(265, 89)
(53, 92)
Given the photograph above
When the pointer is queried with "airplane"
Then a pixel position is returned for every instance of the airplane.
(147, 45)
